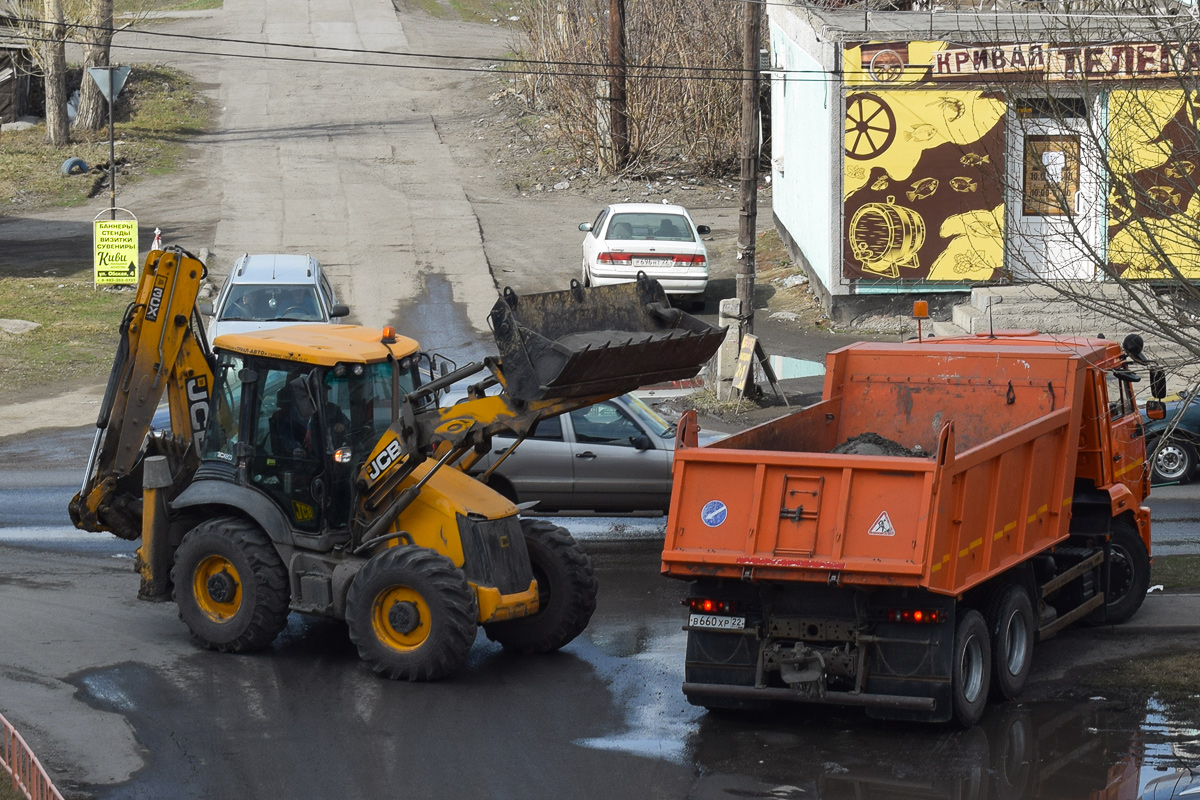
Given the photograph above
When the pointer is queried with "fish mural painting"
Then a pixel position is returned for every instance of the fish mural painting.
(923, 198)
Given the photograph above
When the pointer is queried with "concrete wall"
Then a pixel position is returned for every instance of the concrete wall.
(807, 147)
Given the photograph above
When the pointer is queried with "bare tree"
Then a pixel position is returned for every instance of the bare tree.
(52, 58)
(683, 67)
(97, 40)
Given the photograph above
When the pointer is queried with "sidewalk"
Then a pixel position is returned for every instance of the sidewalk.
(1162, 613)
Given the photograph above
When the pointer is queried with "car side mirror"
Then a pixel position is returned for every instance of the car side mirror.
(703, 230)
(640, 442)
(1156, 409)
(585, 226)
(1158, 383)
(339, 310)
(205, 309)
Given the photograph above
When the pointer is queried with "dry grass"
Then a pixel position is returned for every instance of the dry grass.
(156, 113)
(75, 342)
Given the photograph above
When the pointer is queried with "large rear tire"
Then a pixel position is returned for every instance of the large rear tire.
(231, 587)
(971, 669)
(412, 614)
(566, 593)
(1129, 573)
(1012, 627)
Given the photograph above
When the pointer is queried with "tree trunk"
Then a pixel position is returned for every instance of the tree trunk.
(93, 108)
(58, 131)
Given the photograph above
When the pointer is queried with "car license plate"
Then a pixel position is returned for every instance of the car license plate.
(717, 622)
(653, 262)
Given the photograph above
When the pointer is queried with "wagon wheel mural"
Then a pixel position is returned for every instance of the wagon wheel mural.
(870, 126)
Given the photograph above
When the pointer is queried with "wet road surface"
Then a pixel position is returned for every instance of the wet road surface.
(603, 719)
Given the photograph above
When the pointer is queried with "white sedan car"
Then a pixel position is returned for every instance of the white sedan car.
(660, 240)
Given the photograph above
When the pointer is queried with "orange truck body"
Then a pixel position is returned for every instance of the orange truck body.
(1014, 429)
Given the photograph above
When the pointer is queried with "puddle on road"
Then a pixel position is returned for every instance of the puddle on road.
(1053, 750)
(440, 325)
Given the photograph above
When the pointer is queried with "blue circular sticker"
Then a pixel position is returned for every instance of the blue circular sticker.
(713, 513)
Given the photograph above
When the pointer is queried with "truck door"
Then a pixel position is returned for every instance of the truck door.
(1128, 457)
(288, 456)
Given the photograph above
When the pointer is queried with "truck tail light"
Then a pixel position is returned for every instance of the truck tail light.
(918, 615)
(707, 605)
(615, 258)
(698, 260)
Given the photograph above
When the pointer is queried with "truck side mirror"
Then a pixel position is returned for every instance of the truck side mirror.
(1156, 409)
(1126, 376)
(1158, 384)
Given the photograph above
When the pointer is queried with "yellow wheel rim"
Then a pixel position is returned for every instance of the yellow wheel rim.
(217, 588)
(400, 617)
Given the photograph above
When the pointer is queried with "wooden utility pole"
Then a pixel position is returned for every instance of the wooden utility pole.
(748, 221)
(618, 121)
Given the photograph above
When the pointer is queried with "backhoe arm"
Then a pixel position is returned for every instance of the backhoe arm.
(559, 351)
(162, 349)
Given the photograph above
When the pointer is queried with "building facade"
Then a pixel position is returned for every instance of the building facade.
(932, 153)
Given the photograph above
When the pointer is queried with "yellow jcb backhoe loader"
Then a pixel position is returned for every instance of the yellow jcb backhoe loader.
(309, 468)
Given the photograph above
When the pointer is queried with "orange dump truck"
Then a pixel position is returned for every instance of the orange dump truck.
(981, 494)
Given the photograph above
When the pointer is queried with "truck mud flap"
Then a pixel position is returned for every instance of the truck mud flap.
(603, 340)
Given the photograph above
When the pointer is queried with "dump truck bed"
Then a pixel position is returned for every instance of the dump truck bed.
(993, 433)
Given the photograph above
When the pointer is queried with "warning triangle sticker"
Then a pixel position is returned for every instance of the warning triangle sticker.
(883, 526)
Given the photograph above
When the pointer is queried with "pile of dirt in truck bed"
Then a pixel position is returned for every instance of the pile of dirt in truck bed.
(872, 444)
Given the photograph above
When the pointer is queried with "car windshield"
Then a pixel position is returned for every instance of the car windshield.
(260, 303)
(650, 226)
(650, 417)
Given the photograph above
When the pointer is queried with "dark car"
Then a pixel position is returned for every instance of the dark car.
(613, 457)
(1172, 442)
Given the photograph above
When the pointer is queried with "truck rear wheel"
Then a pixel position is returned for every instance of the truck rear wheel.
(1129, 573)
(412, 614)
(971, 669)
(1012, 626)
(566, 593)
(230, 585)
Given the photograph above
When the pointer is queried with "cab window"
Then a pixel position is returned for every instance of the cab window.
(1120, 401)
(224, 432)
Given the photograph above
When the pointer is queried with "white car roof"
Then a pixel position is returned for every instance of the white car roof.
(275, 268)
(647, 207)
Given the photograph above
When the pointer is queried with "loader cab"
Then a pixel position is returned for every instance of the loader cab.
(302, 430)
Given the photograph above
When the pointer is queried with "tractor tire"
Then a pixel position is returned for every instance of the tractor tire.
(230, 585)
(566, 593)
(412, 614)
(1129, 573)
(1012, 627)
(971, 668)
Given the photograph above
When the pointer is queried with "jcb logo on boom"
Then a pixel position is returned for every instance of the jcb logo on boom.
(156, 295)
(389, 456)
(197, 398)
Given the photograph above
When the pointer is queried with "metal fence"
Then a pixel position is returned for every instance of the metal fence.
(21, 764)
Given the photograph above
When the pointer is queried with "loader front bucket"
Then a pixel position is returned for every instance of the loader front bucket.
(604, 340)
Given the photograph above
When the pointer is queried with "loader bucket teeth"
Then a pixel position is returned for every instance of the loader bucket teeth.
(603, 340)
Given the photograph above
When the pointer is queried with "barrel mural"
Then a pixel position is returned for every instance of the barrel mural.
(923, 183)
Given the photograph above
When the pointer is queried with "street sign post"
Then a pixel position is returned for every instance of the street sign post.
(110, 80)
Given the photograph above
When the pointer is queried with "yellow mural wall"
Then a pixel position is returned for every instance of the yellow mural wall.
(1153, 167)
(923, 186)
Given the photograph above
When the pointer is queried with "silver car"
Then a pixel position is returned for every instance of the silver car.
(270, 291)
(613, 457)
